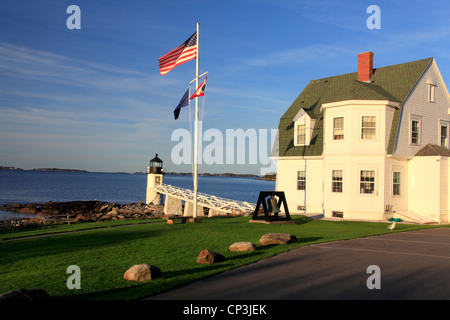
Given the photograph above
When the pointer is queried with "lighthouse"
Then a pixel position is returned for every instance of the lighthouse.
(154, 178)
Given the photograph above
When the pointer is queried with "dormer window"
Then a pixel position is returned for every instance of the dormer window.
(303, 128)
(301, 134)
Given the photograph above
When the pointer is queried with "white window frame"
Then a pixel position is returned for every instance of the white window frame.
(372, 128)
(301, 178)
(297, 142)
(337, 182)
(338, 131)
(417, 119)
(441, 125)
(399, 183)
(374, 182)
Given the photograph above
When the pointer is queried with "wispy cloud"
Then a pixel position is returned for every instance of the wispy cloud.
(38, 65)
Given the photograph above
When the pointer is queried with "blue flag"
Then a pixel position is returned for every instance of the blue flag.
(183, 102)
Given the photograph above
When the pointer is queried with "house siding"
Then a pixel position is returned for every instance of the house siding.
(429, 113)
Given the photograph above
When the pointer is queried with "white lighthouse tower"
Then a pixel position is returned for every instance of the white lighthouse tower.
(154, 178)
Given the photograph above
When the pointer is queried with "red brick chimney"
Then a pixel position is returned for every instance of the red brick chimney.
(365, 66)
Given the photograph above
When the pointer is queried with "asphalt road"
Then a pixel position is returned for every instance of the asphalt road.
(411, 265)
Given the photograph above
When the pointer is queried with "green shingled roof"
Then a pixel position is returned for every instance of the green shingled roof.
(388, 83)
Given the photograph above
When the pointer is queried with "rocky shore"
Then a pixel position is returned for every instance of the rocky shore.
(79, 211)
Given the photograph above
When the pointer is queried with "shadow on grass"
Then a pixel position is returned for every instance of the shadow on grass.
(301, 219)
(73, 242)
(105, 294)
(206, 268)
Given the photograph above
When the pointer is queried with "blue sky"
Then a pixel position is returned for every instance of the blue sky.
(93, 98)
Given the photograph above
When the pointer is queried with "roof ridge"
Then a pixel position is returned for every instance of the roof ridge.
(374, 69)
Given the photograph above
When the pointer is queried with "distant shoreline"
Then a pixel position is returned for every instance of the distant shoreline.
(41, 169)
(215, 174)
(244, 175)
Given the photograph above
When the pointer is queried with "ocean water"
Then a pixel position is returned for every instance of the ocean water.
(26, 186)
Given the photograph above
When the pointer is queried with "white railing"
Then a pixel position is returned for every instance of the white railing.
(206, 200)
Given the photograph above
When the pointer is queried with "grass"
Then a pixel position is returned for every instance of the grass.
(104, 251)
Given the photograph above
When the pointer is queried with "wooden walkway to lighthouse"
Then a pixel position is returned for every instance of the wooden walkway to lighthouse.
(216, 205)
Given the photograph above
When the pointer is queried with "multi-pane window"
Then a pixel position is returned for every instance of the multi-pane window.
(301, 134)
(336, 181)
(415, 131)
(367, 182)
(368, 128)
(301, 180)
(444, 136)
(396, 184)
(338, 128)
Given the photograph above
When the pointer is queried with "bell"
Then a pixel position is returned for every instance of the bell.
(273, 205)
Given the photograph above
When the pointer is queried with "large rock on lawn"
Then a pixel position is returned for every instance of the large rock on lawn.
(209, 257)
(277, 238)
(242, 246)
(142, 272)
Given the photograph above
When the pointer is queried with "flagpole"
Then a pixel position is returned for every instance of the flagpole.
(196, 130)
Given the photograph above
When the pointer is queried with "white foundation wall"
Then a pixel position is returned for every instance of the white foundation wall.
(319, 198)
(351, 202)
(443, 218)
(311, 199)
(423, 186)
(426, 195)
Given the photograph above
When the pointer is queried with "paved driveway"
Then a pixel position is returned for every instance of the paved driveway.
(412, 265)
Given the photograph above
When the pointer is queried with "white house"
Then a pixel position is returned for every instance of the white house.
(369, 145)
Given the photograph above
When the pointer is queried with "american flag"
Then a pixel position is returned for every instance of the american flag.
(185, 52)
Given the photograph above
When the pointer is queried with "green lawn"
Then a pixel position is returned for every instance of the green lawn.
(104, 251)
